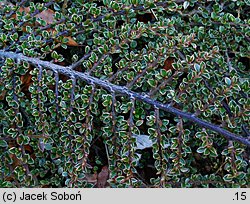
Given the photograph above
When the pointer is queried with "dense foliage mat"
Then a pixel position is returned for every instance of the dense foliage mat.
(129, 93)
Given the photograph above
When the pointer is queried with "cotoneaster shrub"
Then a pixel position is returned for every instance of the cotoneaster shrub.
(77, 89)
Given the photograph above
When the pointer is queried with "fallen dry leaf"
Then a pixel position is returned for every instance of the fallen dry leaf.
(46, 15)
(26, 81)
(168, 64)
(91, 178)
(103, 177)
(2, 95)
